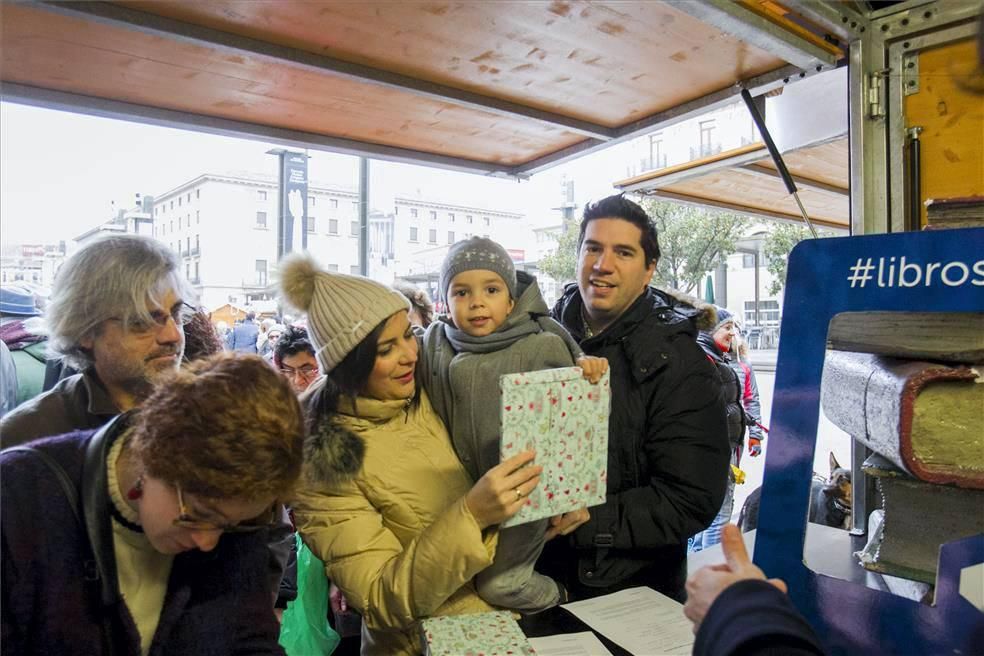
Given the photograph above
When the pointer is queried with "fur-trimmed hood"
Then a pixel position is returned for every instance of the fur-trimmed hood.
(702, 313)
(332, 453)
(666, 306)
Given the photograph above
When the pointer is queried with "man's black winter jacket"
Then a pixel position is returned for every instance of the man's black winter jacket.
(668, 451)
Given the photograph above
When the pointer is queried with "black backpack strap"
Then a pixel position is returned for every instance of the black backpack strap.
(93, 572)
(60, 475)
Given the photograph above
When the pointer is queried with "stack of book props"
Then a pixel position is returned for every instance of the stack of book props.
(910, 386)
(564, 418)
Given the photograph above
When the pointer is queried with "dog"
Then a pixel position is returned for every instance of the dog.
(830, 501)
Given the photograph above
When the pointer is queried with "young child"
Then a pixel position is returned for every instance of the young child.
(496, 323)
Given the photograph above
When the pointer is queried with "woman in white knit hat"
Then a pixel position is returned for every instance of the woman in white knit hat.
(384, 501)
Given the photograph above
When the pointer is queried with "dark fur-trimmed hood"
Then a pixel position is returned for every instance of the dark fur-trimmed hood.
(704, 314)
(671, 306)
(332, 453)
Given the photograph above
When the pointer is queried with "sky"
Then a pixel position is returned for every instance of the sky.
(62, 173)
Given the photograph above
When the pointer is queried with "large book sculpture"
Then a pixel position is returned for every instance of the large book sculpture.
(565, 419)
(916, 518)
(486, 634)
(912, 391)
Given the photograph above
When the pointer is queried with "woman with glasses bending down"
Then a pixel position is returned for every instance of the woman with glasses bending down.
(149, 535)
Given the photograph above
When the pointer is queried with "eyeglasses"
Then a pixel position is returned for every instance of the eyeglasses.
(307, 372)
(185, 520)
(180, 314)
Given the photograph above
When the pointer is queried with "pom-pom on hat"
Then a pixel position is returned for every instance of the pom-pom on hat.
(342, 310)
(477, 253)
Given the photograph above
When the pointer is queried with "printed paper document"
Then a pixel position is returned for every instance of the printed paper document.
(640, 620)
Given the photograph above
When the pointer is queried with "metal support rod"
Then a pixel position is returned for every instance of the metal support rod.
(914, 181)
(364, 216)
(776, 156)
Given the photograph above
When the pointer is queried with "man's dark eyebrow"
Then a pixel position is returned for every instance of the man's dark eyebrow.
(628, 247)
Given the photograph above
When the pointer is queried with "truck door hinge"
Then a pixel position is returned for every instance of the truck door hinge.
(876, 93)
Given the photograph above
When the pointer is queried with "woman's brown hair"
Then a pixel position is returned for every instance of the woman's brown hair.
(226, 427)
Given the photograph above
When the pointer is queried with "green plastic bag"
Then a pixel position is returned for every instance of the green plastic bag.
(304, 630)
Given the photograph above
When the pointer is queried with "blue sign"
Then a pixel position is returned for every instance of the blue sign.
(931, 271)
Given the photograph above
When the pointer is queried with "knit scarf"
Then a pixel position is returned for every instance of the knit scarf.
(505, 337)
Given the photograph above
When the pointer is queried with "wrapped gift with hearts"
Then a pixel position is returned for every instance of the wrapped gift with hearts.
(564, 418)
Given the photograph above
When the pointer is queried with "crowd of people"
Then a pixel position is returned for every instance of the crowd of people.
(151, 496)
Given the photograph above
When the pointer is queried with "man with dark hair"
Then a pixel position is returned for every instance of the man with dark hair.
(293, 355)
(667, 448)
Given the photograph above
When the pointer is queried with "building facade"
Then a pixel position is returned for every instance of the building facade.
(224, 228)
(31, 265)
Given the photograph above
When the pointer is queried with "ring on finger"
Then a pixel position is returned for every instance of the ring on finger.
(519, 494)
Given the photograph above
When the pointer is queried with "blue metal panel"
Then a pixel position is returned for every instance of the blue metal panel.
(855, 274)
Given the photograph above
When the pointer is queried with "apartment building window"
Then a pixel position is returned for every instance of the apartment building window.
(657, 158)
(707, 138)
(311, 201)
(333, 268)
(198, 217)
(354, 229)
(451, 217)
(179, 201)
(332, 226)
(432, 236)
(261, 273)
(469, 218)
(486, 220)
(413, 234)
(198, 193)
(172, 204)
(189, 197)
(172, 226)
(433, 215)
(768, 313)
(196, 272)
(155, 210)
(261, 195)
(261, 220)
(197, 244)
(413, 212)
(188, 271)
(179, 223)
(333, 203)
(748, 260)
(310, 224)
(354, 269)
(187, 245)
(450, 237)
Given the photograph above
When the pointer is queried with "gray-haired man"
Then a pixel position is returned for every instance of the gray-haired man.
(115, 314)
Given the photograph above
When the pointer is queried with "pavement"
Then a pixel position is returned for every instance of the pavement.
(763, 359)
(829, 437)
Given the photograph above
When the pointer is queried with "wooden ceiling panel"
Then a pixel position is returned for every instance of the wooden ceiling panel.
(827, 163)
(69, 54)
(741, 188)
(608, 63)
